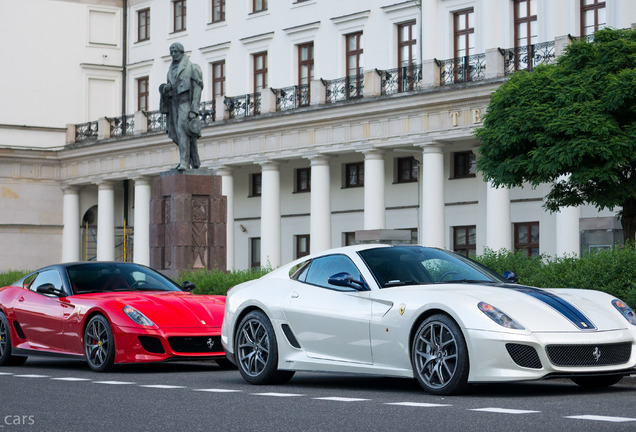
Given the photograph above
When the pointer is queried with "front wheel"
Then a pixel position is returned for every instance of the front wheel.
(257, 351)
(99, 344)
(6, 358)
(439, 356)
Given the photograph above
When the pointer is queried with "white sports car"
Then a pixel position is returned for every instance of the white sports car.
(412, 311)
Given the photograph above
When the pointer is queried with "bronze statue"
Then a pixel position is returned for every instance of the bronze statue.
(180, 100)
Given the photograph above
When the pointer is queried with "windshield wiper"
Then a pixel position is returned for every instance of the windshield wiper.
(464, 281)
(402, 283)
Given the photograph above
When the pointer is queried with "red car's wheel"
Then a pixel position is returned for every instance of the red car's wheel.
(99, 344)
(6, 358)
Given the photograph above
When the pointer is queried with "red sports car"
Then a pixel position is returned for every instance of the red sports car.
(108, 313)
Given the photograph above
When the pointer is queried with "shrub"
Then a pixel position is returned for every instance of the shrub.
(217, 281)
(11, 276)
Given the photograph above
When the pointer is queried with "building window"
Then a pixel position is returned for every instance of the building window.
(527, 238)
(302, 245)
(142, 94)
(260, 71)
(255, 252)
(218, 79)
(592, 16)
(406, 55)
(259, 5)
(525, 32)
(464, 42)
(218, 11)
(303, 180)
(349, 238)
(464, 240)
(143, 25)
(255, 184)
(463, 164)
(354, 174)
(305, 72)
(406, 170)
(179, 15)
(354, 64)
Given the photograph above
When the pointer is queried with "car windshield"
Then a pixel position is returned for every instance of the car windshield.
(110, 277)
(417, 265)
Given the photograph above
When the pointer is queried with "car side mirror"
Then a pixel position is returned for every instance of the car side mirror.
(188, 286)
(49, 288)
(346, 280)
(511, 276)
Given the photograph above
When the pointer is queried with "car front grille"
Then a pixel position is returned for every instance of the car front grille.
(195, 344)
(589, 355)
(524, 355)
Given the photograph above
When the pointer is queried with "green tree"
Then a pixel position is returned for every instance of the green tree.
(571, 124)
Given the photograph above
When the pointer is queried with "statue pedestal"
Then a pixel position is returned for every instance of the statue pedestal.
(187, 222)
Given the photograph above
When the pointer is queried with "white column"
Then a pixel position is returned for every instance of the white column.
(374, 207)
(270, 215)
(141, 251)
(227, 190)
(568, 240)
(320, 218)
(71, 231)
(432, 205)
(498, 225)
(105, 222)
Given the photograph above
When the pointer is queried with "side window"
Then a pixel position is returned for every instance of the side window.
(48, 276)
(324, 267)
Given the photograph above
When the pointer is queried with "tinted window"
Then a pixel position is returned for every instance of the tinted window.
(46, 277)
(321, 269)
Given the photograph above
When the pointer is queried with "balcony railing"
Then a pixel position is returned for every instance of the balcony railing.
(118, 128)
(528, 57)
(243, 106)
(86, 132)
(207, 111)
(289, 98)
(400, 80)
(462, 69)
(343, 89)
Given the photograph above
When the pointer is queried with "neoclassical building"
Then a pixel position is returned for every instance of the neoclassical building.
(329, 122)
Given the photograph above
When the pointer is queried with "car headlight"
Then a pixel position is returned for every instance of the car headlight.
(137, 316)
(499, 317)
(625, 310)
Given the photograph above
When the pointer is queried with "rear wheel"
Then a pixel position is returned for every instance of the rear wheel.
(99, 344)
(597, 381)
(6, 358)
(257, 351)
(439, 356)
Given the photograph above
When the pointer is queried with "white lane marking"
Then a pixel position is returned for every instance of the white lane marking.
(71, 379)
(161, 386)
(418, 404)
(341, 399)
(602, 418)
(32, 376)
(277, 394)
(218, 390)
(505, 411)
(114, 382)
(6, 373)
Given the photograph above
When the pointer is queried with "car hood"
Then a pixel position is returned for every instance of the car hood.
(170, 309)
(537, 310)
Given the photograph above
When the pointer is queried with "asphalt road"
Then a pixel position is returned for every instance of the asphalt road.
(57, 395)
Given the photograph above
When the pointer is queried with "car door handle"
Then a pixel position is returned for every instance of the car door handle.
(294, 294)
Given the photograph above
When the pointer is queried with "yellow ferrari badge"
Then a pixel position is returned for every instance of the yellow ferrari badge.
(402, 308)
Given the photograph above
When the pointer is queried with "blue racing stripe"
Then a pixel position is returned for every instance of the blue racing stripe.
(563, 307)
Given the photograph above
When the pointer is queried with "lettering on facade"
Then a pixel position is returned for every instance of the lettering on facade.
(476, 115)
(454, 116)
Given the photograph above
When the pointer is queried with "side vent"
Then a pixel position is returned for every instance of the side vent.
(18, 330)
(289, 334)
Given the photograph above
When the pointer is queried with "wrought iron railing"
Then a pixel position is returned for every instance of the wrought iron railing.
(462, 69)
(400, 80)
(342, 89)
(243, 106)
(528, 57)
(156, 121)
(289, 98)
(207, 111)
(118, 128)
(86, 132)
